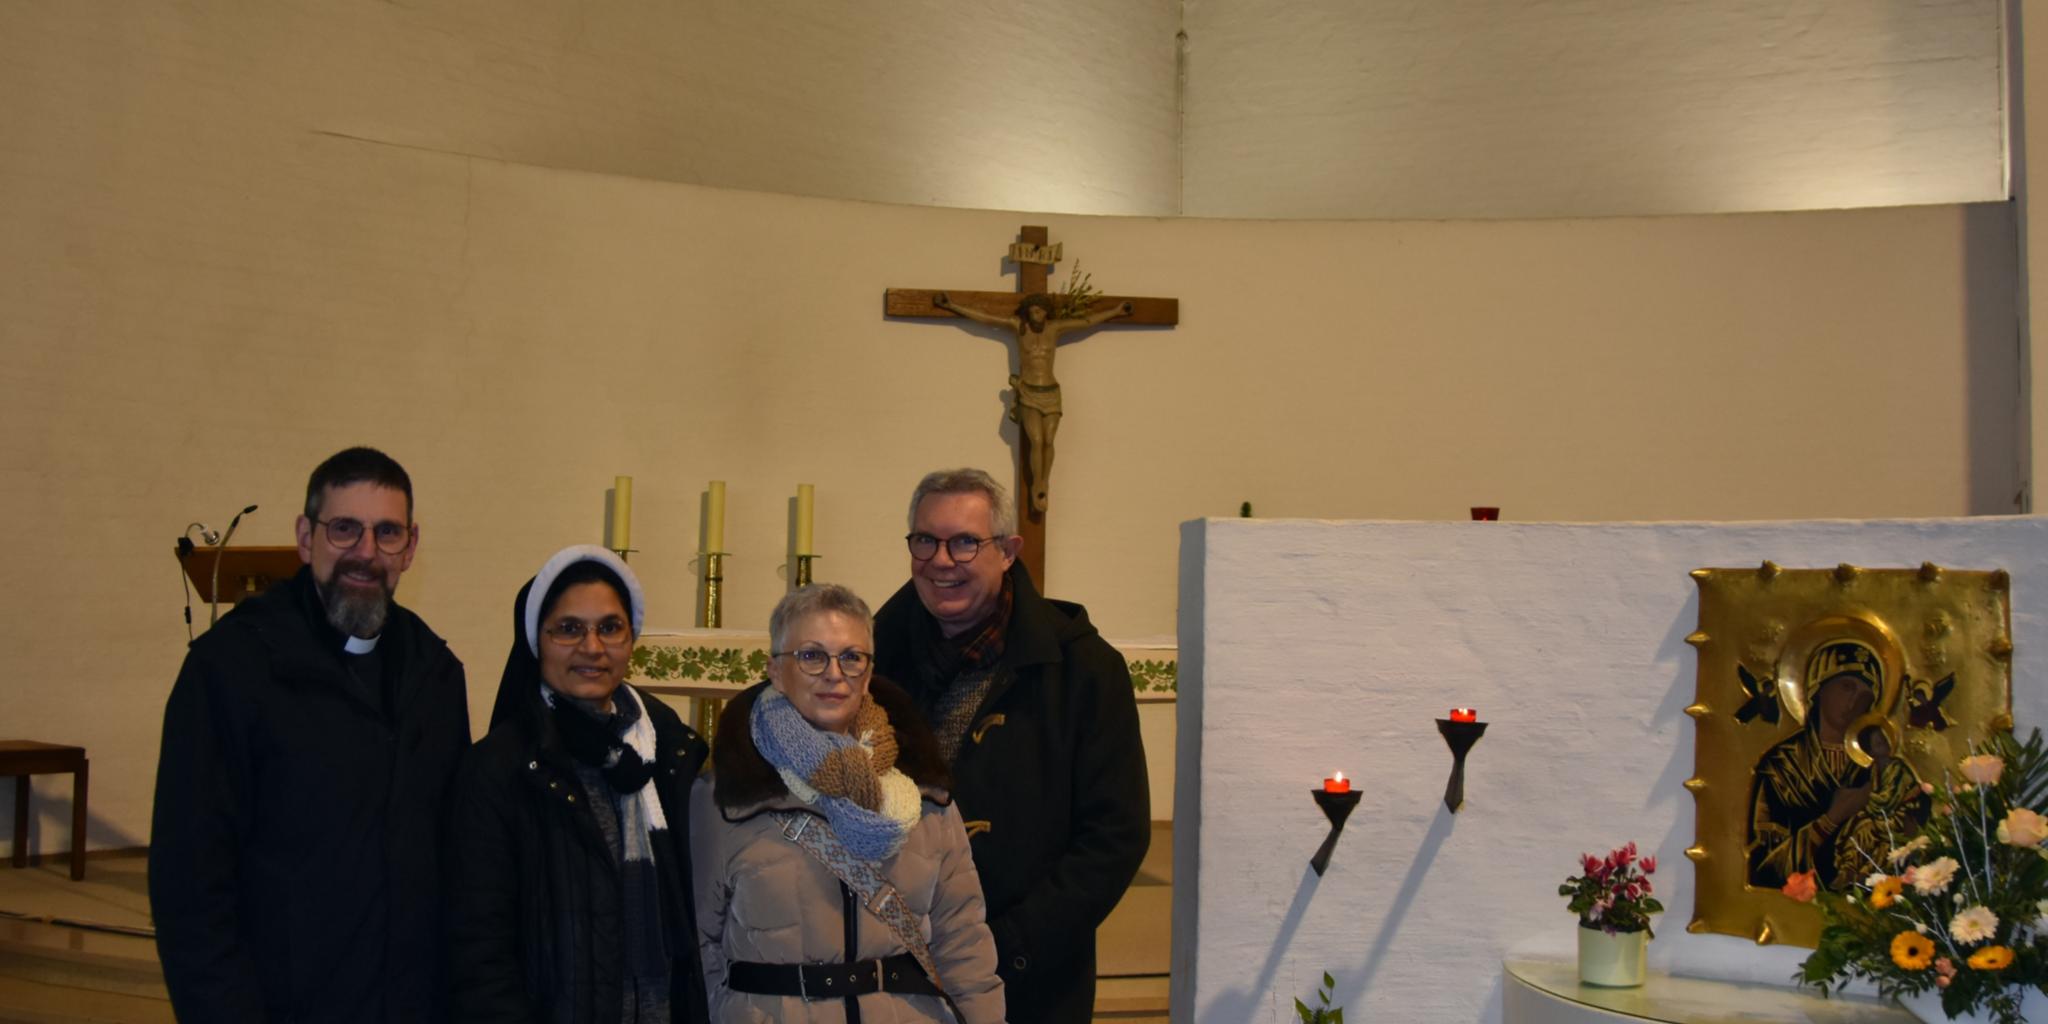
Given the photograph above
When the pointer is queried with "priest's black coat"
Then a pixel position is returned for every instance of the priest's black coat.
(295, 868)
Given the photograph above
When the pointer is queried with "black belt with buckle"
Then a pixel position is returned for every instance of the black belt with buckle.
(899, 974)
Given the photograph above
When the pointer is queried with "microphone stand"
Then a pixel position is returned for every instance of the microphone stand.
(214, 617)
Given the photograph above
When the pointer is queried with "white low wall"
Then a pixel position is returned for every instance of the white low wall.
(1312, 646)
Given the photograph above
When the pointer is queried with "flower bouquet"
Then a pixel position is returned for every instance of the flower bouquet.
(1614, 903)
(1954, 912)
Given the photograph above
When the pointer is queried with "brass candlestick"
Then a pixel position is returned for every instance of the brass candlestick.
(708, 709)
(714, 575)
(803, 569)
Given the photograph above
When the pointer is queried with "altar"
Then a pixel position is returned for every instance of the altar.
(1311, 647)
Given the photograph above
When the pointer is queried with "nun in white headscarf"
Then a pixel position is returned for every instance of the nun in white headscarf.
(569, 875)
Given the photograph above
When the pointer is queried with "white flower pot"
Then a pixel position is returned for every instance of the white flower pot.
(1612, 961)
(1927, 1007)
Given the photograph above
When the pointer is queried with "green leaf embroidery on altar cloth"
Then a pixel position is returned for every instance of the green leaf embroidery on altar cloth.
(1149, 676)
(700, 664)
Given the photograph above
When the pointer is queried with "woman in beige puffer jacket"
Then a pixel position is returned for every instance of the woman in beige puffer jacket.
(782, 937)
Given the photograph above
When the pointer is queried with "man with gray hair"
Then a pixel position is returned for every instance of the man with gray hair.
(308, 747)
(1034, 711)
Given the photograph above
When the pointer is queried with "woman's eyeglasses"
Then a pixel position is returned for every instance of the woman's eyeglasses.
(611, 632)
(811, 661)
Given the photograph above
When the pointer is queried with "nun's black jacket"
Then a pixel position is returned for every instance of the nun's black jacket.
(294, 863)
(535, 921)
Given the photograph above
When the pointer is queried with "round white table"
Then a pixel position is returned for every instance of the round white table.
(1549, 992)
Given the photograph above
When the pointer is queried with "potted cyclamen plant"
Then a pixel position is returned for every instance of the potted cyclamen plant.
(1614, 903)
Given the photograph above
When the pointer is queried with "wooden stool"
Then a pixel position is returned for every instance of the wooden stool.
(23, 758)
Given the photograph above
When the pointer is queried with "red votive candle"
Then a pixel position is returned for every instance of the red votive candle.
(1485, 513)
(1464, 714)
(1337, 783)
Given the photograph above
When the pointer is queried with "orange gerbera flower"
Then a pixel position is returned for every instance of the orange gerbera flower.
(1912, 951)
(1885, 893)
(1991, 958)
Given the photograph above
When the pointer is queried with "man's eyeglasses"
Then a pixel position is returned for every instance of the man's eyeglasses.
(343, 533)
(611, 632)
(963, 547)
(811, 661)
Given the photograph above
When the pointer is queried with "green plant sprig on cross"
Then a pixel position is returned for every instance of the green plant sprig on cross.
(1079, 295)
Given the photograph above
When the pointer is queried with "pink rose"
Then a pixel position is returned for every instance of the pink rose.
(2023, 827)
(1982, 769)
(1801, 887)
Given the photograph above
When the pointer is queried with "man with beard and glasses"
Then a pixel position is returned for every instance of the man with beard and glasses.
(308, 748)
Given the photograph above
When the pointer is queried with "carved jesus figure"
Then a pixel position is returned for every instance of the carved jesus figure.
(1036, 403)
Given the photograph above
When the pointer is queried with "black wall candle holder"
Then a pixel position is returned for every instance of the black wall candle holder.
(1336, 807)
(1460, 736)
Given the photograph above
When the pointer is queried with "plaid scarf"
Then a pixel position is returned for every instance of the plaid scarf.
(962, 675)
(986, 647)
(620, 748)
(851, 779)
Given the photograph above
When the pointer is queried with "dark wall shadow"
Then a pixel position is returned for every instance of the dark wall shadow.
(1995, 340)
(1235, 1006)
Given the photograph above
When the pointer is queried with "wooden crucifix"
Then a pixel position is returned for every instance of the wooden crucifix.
(1040, 320)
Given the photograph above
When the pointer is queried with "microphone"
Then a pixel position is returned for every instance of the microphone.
(207, 536)
(218, 546)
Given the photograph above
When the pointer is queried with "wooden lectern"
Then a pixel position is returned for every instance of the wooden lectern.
(244, 572)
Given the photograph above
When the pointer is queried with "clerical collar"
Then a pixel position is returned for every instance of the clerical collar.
(360, 645)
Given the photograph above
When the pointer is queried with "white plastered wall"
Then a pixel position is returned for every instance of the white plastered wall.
(1060, 104)
(1525, 108)
(1308, 647)
(205, 296)
(1271, 108)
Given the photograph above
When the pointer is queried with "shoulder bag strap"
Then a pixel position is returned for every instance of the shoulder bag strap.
(816, 837)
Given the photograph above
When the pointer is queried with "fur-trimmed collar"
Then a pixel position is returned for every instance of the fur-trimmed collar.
(742, 779)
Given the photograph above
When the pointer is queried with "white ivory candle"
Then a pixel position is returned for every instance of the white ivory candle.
(806, 509)
(622, 513)
(714, 518)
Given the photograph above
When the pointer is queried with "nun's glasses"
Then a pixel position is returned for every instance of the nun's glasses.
(611, 631)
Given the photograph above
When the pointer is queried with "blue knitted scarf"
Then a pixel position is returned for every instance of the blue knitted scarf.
(815, 765)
